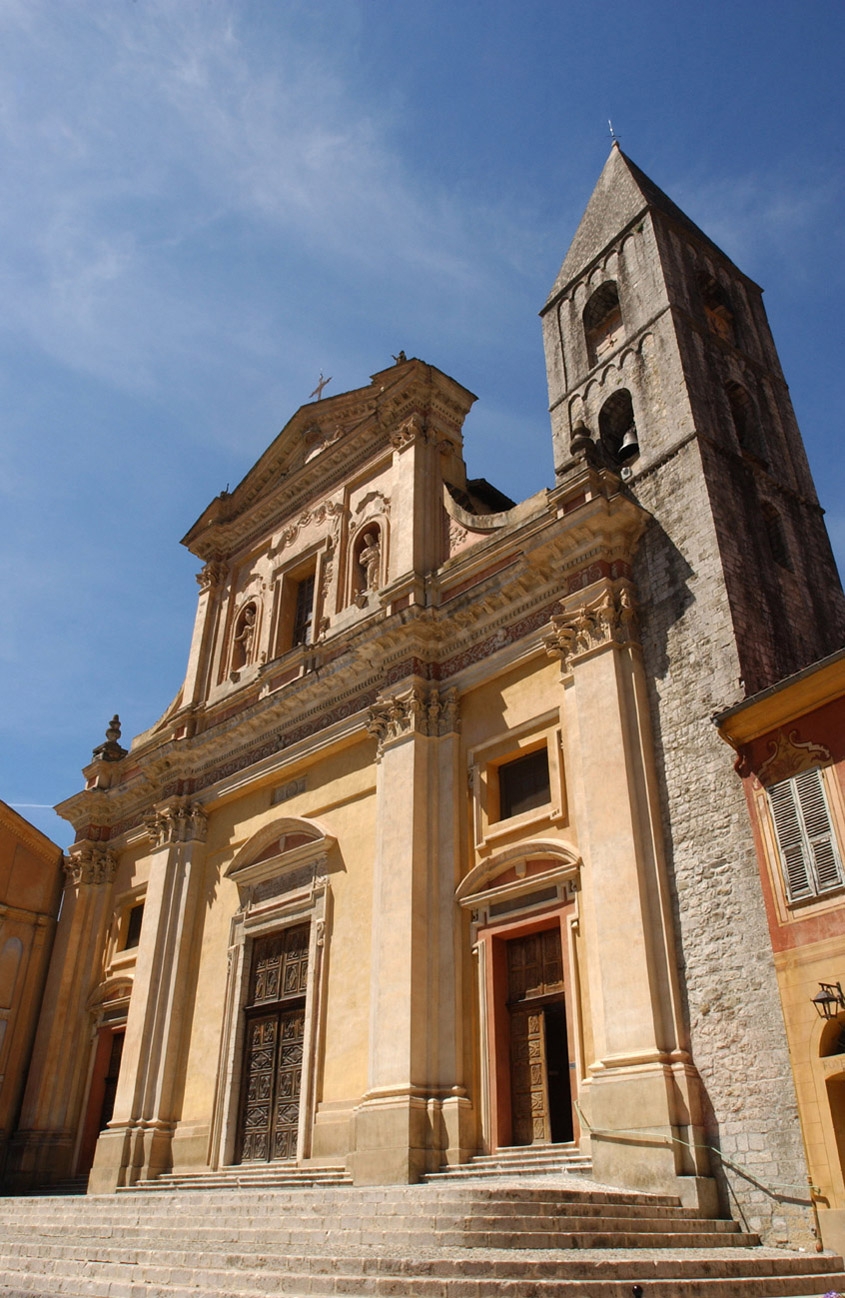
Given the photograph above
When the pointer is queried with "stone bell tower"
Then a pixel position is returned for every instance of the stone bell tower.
(661, 363)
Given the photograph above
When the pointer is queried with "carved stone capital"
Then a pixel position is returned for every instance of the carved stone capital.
(212, 574)
(182, 821)
(411, 430)
(609, 618)
(88, 864)
(417, 711)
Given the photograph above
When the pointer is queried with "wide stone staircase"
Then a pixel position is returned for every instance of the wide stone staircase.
(565, 1238)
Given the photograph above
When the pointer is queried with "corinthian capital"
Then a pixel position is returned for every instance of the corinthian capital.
(418, 711)
(609, 618)
(182, 821)
(87, 864)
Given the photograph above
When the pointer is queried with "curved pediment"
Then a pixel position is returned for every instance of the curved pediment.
(283, 844)
(113, 992)
(525, 863)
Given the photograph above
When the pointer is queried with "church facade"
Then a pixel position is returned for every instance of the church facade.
(437, 850)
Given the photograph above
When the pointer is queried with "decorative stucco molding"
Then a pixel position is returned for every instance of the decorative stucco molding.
(788, 756)
(183, 821)
(609, 618)
(328, 509)
(416, 711)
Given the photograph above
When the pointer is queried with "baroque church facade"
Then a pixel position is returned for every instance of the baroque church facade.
(437, 850)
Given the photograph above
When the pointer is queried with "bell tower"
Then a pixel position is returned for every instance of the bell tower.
(661, 365)
(661, 361)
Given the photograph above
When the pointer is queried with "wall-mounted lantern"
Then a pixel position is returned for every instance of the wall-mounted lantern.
(829, 1000)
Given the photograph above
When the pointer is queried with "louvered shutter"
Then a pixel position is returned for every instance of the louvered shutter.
(814, 810)
(793, 851)
(808, 849)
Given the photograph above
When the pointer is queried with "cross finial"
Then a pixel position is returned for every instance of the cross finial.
(613, 134)
(318, 391)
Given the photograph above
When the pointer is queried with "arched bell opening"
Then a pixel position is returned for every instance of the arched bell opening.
(618, 428)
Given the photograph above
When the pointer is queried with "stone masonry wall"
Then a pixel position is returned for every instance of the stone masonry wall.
(736, 1025)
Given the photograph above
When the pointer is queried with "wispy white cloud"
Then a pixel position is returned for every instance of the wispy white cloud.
(753, 216)
(174, 128)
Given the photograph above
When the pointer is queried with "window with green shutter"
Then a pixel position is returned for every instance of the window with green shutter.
(808, 851)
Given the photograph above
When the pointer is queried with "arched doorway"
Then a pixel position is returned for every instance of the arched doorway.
(524, 921)
(271, 1040)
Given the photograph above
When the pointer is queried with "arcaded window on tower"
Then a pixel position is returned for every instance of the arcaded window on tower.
(243, 642)
(776, 536)
(602, 321)
(617, 427)
(745, 420)
(717, 308)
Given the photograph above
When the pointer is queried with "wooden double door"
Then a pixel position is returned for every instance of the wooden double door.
(274, 1047)
(541, 1099)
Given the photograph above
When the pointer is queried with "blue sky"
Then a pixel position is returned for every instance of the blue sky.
(206, 203)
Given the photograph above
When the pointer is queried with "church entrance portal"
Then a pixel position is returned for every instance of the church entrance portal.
(273, 1053)
(541, 1101)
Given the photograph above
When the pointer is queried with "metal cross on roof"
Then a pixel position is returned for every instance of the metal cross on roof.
(318, 391)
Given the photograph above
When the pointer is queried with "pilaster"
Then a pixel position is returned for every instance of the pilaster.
(415, 1114)
(643, 1094)
(42, 1150)
(136, 1145)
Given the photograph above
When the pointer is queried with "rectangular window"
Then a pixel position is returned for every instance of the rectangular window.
(133, 927)
(806, 842)
(303, 615)
(524, 784)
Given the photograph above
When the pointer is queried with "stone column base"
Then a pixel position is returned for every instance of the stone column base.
(398, 1138)
(645, 1135)
(130, 1153)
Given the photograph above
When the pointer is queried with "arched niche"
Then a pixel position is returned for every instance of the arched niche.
(367, 560)
(245, 635)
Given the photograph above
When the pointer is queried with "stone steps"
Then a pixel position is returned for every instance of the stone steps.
(557, 1277)
(518, 1160)
(245, 1175)
(444, 1240)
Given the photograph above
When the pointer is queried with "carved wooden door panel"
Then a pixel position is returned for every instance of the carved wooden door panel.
(260, 1065)
(275, 1031)
(288, 1082)
(529, 1078)
(535, 979)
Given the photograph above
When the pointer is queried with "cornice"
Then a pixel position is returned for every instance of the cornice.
(476, 609)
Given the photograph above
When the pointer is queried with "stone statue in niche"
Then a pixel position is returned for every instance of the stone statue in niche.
(244, 636)
(369, 564)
